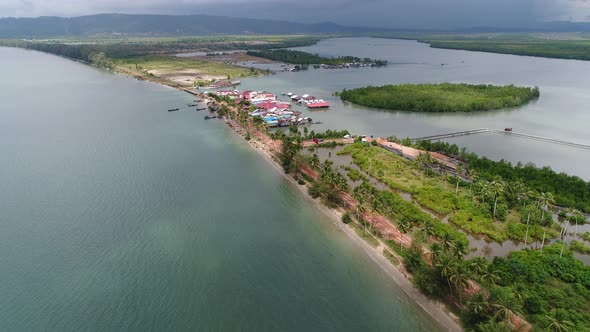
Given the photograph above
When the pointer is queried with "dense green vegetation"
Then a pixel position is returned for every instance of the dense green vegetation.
(565, 45)
(569, 191)
(125, 48)
(304, 58)
(548, 285)
(444, 97)
(564, 49)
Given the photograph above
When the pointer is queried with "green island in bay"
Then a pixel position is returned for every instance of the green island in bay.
(304, 58)
(444, 97)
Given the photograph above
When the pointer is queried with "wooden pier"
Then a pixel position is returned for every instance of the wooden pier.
(509, 133)
(449, 135)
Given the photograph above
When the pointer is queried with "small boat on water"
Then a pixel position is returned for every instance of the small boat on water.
(192, 105)
(207, 117)
(173, 110)
(200, 109)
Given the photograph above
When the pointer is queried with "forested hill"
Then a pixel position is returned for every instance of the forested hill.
(156, 25)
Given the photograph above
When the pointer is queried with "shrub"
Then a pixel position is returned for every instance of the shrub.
(346, 218)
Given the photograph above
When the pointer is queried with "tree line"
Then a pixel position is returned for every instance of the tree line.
(304, 58)
(118, 49)
(569, 191)
(445, 97)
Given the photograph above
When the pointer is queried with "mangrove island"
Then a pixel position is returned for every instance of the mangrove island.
(445, 97)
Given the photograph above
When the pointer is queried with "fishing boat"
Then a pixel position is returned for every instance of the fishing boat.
(173, 110)
(207, 117)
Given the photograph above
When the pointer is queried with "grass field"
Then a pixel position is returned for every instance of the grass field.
(435, 193)
(182, 71)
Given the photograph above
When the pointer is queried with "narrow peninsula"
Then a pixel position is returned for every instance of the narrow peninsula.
(445, 97)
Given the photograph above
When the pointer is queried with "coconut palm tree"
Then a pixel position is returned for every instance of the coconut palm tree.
(360, 206)
(404, 225)
(558, 322)
(446, 177)
(478, 307)
(519, 291)
(460, 169)
(528, 219)
(482, 189)
(504, 305)
(459, 249)
(457, 181)
(489, 276)
(329, 176)
(314, 161)
(341, 182)
(543, 241)
(436, 253)
(459, 279)
(446, 242)
(545, 200)
(563, 241)
(446, 266)
(326, 166)
(424, 160)
(428, 229)
(478, 265)
(376, 206)
(474, 176)
(575, 215)
(517, 189)
(497, 188)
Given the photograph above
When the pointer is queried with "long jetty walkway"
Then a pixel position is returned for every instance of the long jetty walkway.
(511, 133)
(449, 135)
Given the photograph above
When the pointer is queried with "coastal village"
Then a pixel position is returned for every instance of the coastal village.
(278, 113)
(273, 111)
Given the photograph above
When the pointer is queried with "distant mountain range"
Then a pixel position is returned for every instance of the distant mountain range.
(158, 25)
(199, 25)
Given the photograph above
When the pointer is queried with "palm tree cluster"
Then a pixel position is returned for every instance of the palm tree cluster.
(330, 184)
(291, 145)
(498, 195)
(425, 162)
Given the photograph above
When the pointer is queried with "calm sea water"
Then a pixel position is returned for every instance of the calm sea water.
(117, 215)
(562, 112)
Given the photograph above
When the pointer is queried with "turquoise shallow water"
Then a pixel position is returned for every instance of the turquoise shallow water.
(117, 215)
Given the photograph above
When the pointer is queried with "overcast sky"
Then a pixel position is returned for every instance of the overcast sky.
(384, 13)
